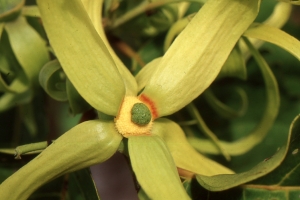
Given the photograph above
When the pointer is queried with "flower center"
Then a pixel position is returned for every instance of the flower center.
(134, 118)
(140, 114)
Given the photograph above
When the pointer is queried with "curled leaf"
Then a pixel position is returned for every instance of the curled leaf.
(52, 81)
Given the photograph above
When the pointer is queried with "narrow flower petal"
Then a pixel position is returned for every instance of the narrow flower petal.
(197, 55)
(246, 143)
(84, 57)
(86, 144)
(278, 18)
(275, 36)
(154, 168)
(94, 9)
(184, 155)
(146, 72)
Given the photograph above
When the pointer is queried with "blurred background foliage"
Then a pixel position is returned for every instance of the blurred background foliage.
(41, 108)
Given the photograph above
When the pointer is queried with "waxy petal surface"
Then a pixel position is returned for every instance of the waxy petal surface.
(196, 56)
(85, 57)
(184, 155)
(94, 9)
(154, 168)
(86, 144)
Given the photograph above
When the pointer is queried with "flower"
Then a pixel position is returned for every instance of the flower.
(155, 144)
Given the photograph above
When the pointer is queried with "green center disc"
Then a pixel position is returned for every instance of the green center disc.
(140, 114)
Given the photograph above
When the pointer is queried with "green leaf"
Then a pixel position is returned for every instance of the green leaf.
(52, 81)
(10, 9)
(28, 46)
(76, 102)
(287, 173)
(149, 51)
(1, 29)
(83, 54)
(13, 79)
(275, 36)
(9, 100)
(246, 143)
(154, 168)
(85, 184)
(28, 116)
(191, 57)
(234, 66)
(184, 155)
(202, 126)
(86, 144)
(279, 175)
(224, 110)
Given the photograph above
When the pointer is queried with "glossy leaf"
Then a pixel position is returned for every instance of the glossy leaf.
(13, 79)
(86, 184)
(192, 55)
(223, 182)
(28, 47)
(85, 57)
(154, 168)
(88, 143)
(184, 155)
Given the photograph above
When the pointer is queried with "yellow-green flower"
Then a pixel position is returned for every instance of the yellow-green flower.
(156, 145)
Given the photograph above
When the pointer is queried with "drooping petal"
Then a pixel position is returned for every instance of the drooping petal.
(86, 144)
(197, 55)
(274, 36)
(278, 18)
(184, 155)
(94, 9)
(246, 143)
(84, 57)
(154, 168)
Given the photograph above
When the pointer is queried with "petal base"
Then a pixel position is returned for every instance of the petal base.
(124, 123)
